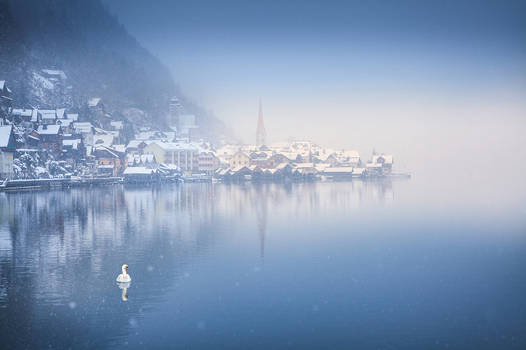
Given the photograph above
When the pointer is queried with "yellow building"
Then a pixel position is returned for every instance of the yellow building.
(239, 159)
(183, 155)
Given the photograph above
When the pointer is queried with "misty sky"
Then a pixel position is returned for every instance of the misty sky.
(423, 80)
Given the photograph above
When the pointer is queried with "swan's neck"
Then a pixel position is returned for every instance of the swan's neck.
(124, 272)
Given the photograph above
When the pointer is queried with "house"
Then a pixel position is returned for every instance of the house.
(7, 150)
(95, 103)
(5, 100)
(208, 162)
(183, 155)
(47, 116)
(73, 148)
(373, 169)
(306, 169)
(61, 113)
(144, 160)
(96, 108)
(338, 171)
(109, 161)
(117, 125)
(103, 140)
(276, 159)
(33, 139)
(239, 159)
(21, 114)
(283, 169)
(85, 129)
(50, 137)
(138, 174)
(348, 158)
(386, 161)
(260, 157)
(136, 146)
(332, 160)
(73, 116)
(240, 172)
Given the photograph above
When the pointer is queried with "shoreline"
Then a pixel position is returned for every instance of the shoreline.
(24, 185)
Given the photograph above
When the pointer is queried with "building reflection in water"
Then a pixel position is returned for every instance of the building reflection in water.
(59, 249)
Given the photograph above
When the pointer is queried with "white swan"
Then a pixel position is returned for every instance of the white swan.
(124, 277)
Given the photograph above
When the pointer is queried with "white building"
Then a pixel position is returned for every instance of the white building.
(7, 149)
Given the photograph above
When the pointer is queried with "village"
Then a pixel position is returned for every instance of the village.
(88, 145)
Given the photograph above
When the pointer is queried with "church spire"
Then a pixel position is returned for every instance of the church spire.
(261, 134)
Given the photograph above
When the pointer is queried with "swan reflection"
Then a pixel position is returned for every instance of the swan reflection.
(124, 286)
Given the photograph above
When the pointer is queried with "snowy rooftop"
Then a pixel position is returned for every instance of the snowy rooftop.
(388, 158)
(48, 130)
(339, 170)
(59, 73)
(105, 149)
(73, 116)
(137, 170)
(282, 166)
(103, 140)
(5, 133)
(22, 112)
(84, 127)
(135, 143)
(119, 148)
(94, 102)
(117, 125)
(106, 166)
(48, 113)
(305, 165)
(73, 143)
(65, 122)
(60, 112)
(349, 154)
(176, 146)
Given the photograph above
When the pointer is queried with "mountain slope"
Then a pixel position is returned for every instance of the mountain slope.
(96, 53)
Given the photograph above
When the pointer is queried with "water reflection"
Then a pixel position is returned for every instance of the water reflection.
(124, 286)
(57, 247)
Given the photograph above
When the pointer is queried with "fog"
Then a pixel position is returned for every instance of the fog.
(440, 85)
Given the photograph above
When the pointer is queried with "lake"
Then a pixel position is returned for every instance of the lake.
(402, 264)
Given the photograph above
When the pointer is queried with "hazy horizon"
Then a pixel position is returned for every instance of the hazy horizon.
(440, 82)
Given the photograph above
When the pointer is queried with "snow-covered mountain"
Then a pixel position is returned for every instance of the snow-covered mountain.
(60, 53)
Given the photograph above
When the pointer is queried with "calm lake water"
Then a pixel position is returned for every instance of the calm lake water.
(361, 265)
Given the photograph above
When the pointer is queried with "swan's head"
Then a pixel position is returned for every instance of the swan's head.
(124, 268)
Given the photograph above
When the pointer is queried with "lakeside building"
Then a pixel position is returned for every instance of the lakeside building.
(7, 150)
(239, 159)
(5, 101)
(385, 160)
(50, 137)
(208, 162)
(183, 155)
(109, 161)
